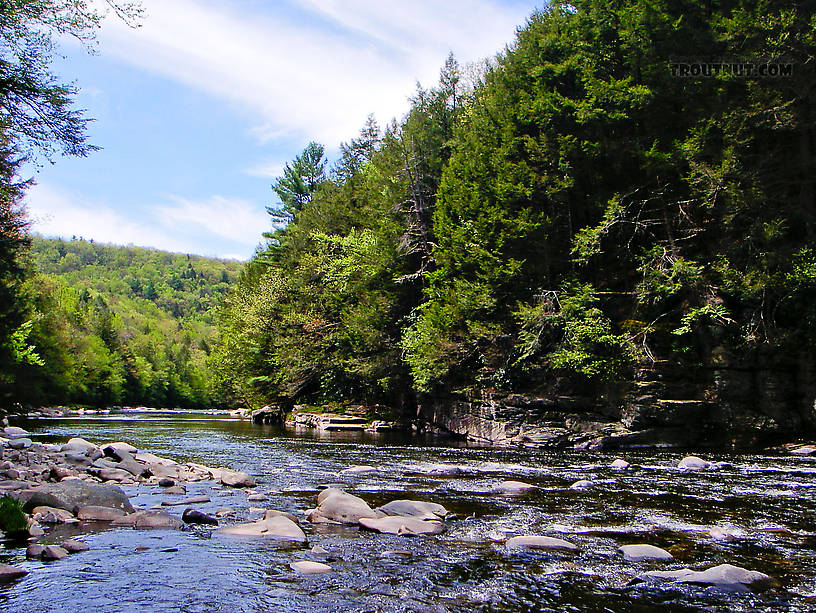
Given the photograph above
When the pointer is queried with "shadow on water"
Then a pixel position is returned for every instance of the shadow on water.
(766, 500)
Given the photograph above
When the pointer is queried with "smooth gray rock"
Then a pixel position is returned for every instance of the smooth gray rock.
(114, 474)
(643, 553)
(337, 506)
(20, 443)
(619, 464)
(192, 500)
(96, 513)
(404, 526)
(540, 542)
(513, 488)
(149, 519)
(74, 546)
(415, 508)
(724, 576)
(235, 478)
(79, 445)
(583, 484)
(75, 494)
(307, 567)
(133, 467)
(10, 573)
(275, 528)
(119, 450)
(693, 463)
(15, 432)
(53, 552)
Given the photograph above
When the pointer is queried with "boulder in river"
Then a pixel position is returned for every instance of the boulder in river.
(583, 484)
(416, 509)
(619, 464)
(513, 488)
(404, 526)
(724, 576)
(307, 567)
(336, 506)
(235, 478)
(53, 552)
(74, 546)
(34, 551)
(693, 463)
(360, 470)
(275, 528)
(74, 494)
(149, 519)
(644, 553)
(545, 543)
(269, 513)
(97, 513)
(10, 573)
(15, 432)
(191, 516)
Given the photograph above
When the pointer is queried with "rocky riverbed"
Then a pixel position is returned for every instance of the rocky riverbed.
(462, 535)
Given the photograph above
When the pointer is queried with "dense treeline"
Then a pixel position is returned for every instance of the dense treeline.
(119, 325)
(578, 212)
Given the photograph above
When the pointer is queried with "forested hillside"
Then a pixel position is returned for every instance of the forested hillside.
(577, 215)
(120, 325)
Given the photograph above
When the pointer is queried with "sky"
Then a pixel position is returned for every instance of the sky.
(197, 110)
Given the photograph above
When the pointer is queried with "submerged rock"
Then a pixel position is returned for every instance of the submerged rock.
(513, 488)
(307, 567)
(275, 528)
(405, 526)
(724, 576)
(643, 553)
(540, 542)
(337, 506)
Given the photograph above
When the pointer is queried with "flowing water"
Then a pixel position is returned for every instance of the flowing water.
(768, 501)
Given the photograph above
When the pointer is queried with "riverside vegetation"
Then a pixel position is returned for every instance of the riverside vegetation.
(569, 228)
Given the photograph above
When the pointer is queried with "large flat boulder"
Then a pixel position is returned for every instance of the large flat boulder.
(336, 506)
(416, 509)
(95, 513)
(74, 494)
(9, 573)
(404, 526)
(725, 577)
(149, 519)
(277, 528)
(235, 478)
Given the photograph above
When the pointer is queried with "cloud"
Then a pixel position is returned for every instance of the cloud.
(227, 226)
(265, 170)
(309, 69)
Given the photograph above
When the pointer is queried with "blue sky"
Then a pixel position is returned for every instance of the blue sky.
(198, 109)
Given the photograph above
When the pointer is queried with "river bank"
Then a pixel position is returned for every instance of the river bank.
(704, 519)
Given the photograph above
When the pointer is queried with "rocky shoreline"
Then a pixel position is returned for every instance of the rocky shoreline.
(81, 483)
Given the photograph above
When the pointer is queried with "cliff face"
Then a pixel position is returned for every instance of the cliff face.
(732, 403)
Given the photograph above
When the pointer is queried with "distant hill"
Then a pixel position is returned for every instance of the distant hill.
(123, 325)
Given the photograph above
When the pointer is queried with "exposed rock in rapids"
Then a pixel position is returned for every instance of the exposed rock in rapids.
(9, 573)
(693, 463)
(74, 546)
(540, 542)
(75, 494)
(270, 513)
(513, 488)
(415, 508)
(96, 513)
(724, 576)
(149, 519)
(275, 528)
(53, 552)
(166, 482)
(619, 464)
(405, 526)
(191, 500)
(643, 553)
(175, 490)
(583, 484)
(191, 516)
(360, 470)
(224, 512)
(336, 506)
(306, 567)
(235, 478)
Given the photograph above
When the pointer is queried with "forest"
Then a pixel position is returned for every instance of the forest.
(558, 219)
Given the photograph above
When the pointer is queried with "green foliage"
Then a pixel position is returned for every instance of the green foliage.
(12, 515)
(120, 325)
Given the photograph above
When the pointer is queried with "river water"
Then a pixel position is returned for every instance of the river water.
(768, 501)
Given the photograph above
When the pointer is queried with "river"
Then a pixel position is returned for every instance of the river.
(768, 501)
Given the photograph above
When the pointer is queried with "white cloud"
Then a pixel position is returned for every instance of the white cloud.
(265, 170)
(316, 74)
(178, 225)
